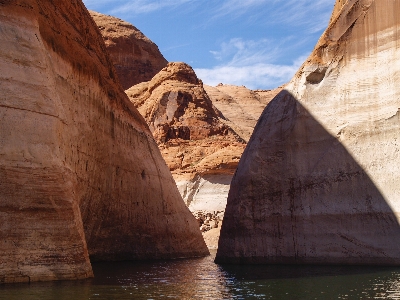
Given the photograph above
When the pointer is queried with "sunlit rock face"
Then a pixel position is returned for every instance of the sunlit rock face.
(80, 173)
(201, 151)
(318, 181)
(135, 57)
(240, 106)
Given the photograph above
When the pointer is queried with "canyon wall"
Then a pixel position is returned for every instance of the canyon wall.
(201, 132)
(200, 150)
(137, 60)
(318, 181)
(80, 173)
(135, 57)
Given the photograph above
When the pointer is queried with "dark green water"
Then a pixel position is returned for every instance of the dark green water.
(202, 279)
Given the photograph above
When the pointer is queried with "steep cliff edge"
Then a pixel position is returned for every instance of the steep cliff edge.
(318, 181)
(135, 57)
(80, 173)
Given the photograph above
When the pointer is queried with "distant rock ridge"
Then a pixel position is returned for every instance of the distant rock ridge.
(318, 181)
(135, 57)
(80, 173)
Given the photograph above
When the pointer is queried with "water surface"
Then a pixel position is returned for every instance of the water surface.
(202, 279)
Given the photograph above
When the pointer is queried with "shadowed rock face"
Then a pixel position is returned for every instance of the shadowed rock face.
(136, 58)
(80, 173)
(318, 181)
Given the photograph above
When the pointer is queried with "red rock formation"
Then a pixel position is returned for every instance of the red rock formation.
(185, 123)
(318, 181)
(80, 173)
(188, 129)
(136, 58)
(240, 107)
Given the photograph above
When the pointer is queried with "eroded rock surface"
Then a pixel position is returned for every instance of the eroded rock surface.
(318, 182)
(80, 173)
(241, 108)
(135, 57)
(201, 151)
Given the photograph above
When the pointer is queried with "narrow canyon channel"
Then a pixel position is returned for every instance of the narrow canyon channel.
(203, 279)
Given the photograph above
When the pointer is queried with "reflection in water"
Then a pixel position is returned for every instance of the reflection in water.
(202, 279)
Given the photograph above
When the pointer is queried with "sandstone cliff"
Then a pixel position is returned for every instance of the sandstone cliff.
(318, 181)
(136, 58)
(201, 151)
(80, 173)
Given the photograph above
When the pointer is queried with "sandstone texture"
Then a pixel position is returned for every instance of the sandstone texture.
(201, 151)
(80, 173)
(135, 57)
(319, 180)
(241, 108)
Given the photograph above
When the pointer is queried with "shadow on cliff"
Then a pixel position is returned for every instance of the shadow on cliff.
(299, 197)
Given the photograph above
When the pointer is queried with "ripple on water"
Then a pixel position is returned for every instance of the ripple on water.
(202, 279)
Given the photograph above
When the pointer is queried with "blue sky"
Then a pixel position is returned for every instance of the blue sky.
(256, 43)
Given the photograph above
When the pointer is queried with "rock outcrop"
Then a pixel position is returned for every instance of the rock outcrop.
(201, 151)
(135, 57)
(241, 108)
(80, 173)
(318, 181)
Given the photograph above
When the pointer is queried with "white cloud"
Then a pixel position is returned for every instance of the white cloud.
(249, 63)
(244, 52)
(252, 76)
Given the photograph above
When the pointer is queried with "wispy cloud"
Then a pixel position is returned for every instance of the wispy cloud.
(253, 76)
(244, 52)
(237, 7)
(249, 63)
(146, 6)
(311, 14)
(121, 7)
(305, 13)
(279, 30)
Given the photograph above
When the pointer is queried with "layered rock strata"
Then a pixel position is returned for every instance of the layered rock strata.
(318, 181)
(80, 173)
(135, 57)
(201, 151)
